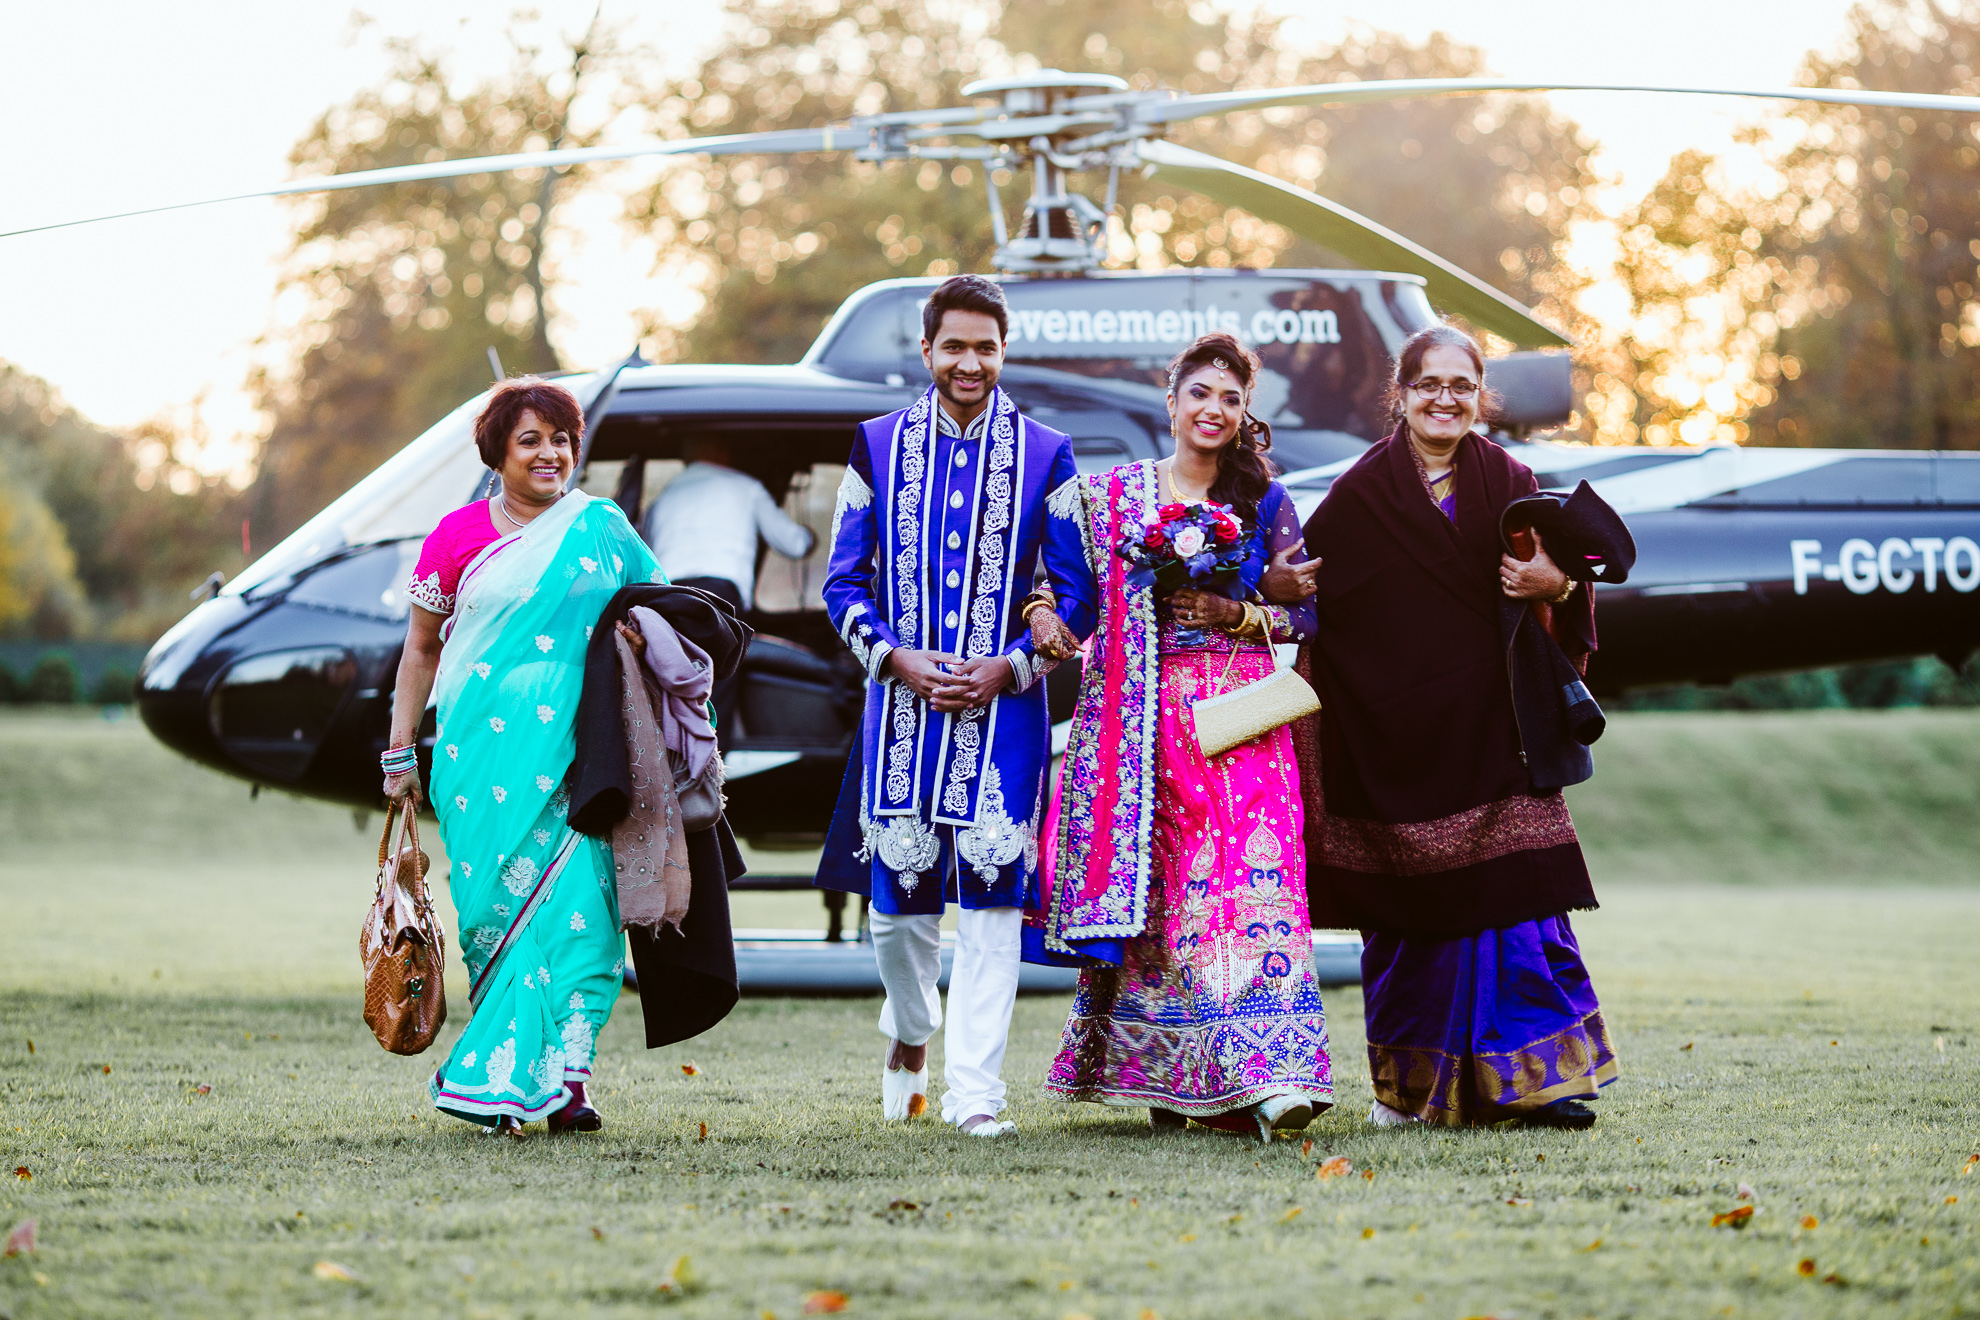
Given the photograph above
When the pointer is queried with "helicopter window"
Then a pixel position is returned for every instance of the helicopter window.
(1098, 453)
(270, 711)
(1957, 478)
(788, 585)
(1852, 482)
(370, 581)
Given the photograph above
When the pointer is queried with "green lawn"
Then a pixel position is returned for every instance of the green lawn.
(1794, 989)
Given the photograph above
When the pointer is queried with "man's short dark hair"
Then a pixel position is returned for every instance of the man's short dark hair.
(966, 293)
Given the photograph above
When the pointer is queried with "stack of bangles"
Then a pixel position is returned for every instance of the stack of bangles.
(1257, 623)
(399, 760)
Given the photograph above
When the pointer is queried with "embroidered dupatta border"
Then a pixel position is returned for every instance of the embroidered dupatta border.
(537, 897)
(1100, 890)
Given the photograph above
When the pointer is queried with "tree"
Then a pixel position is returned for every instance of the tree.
(108, 531)
(405, 288)
(780, 242)
(1832, 300)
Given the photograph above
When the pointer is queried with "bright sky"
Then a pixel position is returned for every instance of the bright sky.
(122, 103)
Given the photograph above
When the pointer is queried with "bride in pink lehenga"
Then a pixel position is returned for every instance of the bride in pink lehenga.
(1178, 880)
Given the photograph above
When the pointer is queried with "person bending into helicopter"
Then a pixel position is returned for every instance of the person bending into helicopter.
(942, 519)
(1434, 818)
(705, 528)
(505, 595)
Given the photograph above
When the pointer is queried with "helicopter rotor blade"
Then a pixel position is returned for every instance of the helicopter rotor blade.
(780, 142)
(1359, 93)
(1353, 236)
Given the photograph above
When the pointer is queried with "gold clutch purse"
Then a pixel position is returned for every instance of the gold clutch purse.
(1254, 710)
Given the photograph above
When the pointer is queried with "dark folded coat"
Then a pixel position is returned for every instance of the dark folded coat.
(687, 978)
(1427, 813)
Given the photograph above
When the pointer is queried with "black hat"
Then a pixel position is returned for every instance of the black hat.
(1586, 537)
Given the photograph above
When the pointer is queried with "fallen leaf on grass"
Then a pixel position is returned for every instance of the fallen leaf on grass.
(1292, 1214)
(1519, 1201)
(1367, 1233)
(1805, 1268)
(1746, 1191)
(106, 1070)
(899, 1204)
(680, 1280)
(1368, 1175)
(1952, 1200)
(1835, 1280)
(1687, 1045)
(1337, 1167)
(1306, 1148)
(23, 1171)
(331, 1271)
(1736, 1217)
(824, 1303)
(597, 1233)
(1591, 1246)
(1809, 1221)
(204, 1088)
(20, 1241)
(704, 1133)
(689, 1070)
(1967, 1168)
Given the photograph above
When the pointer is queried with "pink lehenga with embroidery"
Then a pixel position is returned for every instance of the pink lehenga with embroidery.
(1204, 1001)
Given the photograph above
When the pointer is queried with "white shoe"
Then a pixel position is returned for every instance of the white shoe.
(989, 1127)
(1384, 1117)
(1290, 1113)
(903, 1094)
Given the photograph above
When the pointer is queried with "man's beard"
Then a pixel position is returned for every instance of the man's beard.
(943, 387)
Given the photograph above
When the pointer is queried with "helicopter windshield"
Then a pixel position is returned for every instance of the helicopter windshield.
(405, 496)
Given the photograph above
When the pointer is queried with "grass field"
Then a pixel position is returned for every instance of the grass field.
(1786, 953)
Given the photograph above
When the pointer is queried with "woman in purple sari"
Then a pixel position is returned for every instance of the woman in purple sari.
(1425, 826)
(1176, 878)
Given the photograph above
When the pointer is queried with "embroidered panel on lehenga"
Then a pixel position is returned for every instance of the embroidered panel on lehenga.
(1215, 1007)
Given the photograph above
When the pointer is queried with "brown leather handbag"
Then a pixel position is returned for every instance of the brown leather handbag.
(403, 945)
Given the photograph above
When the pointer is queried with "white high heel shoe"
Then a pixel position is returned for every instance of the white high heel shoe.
(1288, 1113)
(903, 1094)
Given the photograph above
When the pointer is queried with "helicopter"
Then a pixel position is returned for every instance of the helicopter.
(1750, 560)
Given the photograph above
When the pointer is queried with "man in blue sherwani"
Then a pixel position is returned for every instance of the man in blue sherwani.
(942, 521)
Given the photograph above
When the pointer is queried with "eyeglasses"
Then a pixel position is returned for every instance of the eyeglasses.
(1430, 389)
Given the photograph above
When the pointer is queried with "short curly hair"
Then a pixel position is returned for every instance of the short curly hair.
(505, 407)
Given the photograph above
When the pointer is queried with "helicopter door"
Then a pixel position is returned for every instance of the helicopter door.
(270, 711)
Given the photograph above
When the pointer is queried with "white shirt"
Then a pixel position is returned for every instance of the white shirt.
(706, 523)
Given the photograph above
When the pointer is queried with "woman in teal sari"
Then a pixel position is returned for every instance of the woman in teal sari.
(506, 594)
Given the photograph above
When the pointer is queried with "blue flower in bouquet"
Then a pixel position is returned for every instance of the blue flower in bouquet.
(1186, 545)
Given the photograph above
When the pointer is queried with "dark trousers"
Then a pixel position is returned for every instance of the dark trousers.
(726, 690)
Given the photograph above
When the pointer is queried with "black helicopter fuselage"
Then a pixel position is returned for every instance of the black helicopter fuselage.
(1750, 560)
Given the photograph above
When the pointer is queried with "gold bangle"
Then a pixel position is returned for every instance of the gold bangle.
(1566, 591)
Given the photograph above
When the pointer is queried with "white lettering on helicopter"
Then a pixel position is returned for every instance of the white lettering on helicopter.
(1055, 325)
(1863, 567)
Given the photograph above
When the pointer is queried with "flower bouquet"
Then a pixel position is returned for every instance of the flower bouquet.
(1186, 545)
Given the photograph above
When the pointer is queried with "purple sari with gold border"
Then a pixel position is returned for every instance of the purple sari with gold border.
(1423, 829)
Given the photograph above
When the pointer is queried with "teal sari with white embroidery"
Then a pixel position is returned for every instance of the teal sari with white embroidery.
(535, 904)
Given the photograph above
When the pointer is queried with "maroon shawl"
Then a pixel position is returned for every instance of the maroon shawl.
(1421, 819)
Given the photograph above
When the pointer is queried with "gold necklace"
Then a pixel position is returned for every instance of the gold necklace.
(1169, 484)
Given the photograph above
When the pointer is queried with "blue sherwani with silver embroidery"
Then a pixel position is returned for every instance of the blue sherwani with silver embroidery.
(937, 538)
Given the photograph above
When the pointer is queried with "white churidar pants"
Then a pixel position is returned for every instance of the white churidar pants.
(982, 992)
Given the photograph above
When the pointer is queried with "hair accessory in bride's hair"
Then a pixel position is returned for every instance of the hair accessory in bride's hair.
(1220, 364)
